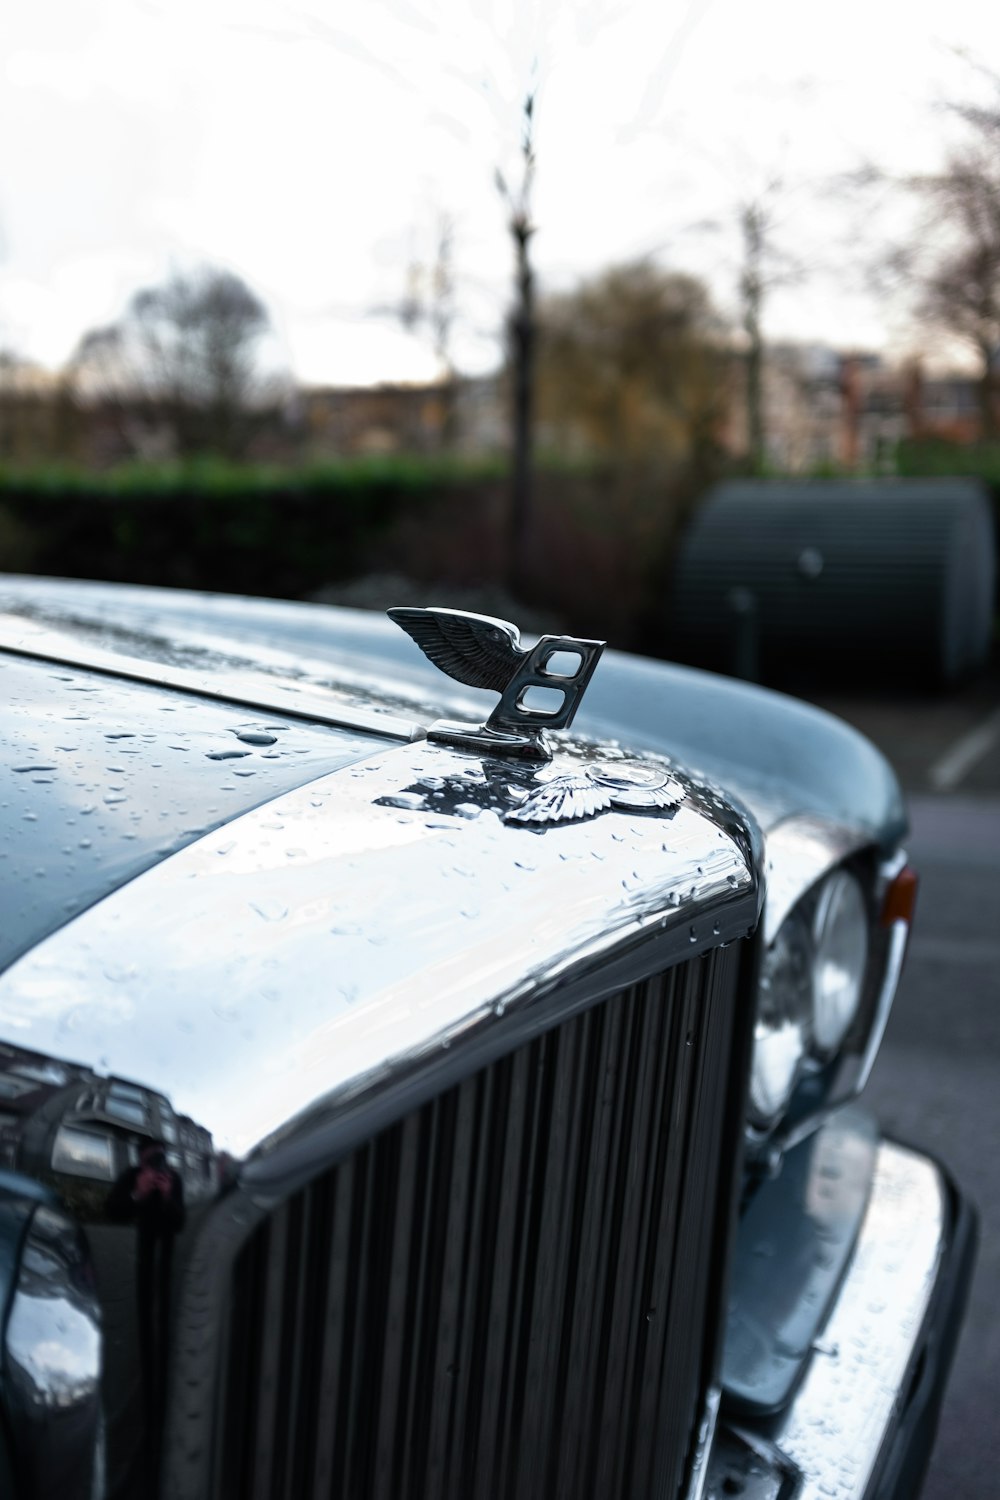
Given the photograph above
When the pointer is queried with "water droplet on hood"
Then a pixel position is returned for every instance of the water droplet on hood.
(255, 737)
(410, 800)
(226, 754)
(271, 911)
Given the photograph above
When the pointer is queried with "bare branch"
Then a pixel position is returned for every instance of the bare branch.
(185, 353)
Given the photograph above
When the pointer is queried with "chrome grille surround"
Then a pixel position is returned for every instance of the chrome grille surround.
(507, 1292)
(275, 994)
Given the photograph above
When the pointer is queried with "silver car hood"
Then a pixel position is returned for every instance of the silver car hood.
(344, 934)
(780, 757)
(306, 951)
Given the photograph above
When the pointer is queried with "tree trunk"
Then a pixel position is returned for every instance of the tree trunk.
(755, 398)
(988, 424)
(753, 294)
(523, 360)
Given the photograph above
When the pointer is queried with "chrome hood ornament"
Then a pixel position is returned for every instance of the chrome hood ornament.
(486, 653)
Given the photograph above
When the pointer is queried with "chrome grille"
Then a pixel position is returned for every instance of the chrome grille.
(508, 1292)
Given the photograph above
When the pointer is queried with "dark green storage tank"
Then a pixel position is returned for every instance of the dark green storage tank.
(887, 579)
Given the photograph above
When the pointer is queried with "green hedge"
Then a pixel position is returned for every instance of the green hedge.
(598, 545)
(214, 525)
(211, 475)
(934, 458)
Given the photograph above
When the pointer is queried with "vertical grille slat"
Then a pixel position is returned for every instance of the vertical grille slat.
(334, 1324)
(278, 1288)
(505, 1294)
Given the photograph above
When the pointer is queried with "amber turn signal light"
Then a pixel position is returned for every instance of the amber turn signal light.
(901, 898)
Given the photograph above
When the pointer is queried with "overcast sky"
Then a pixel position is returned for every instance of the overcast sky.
(310, 146)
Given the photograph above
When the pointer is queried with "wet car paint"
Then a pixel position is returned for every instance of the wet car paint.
(101, 778)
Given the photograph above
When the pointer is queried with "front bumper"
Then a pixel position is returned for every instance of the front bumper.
(862, 1421)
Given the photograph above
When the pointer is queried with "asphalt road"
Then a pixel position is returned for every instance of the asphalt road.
(937, 1082)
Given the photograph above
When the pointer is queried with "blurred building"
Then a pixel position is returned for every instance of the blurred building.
(463, 415)
(38, 418)
(822, 410)
(942, 406)
(825, 409)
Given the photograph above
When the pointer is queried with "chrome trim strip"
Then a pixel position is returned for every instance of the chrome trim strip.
(321, 946)
(899, 937)
(844, 1412)
(706, 1437)
(793, 1243)
(251, 689)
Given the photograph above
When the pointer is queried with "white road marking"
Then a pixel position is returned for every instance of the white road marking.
(957, 762)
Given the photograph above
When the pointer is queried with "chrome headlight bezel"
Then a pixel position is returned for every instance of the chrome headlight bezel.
(821, 874)
(821, 997)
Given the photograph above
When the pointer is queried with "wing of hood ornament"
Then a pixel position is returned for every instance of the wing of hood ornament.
(483, 652)
(624, 785)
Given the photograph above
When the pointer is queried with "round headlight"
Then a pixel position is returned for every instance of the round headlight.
(840, 932)
(781, 1033)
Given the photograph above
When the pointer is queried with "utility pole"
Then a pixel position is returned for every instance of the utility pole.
(428, 306)
(522, 339)
(442, 316)
(753, 222)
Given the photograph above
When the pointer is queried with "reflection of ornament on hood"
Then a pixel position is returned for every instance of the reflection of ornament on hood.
(625, 785)
(486, 653)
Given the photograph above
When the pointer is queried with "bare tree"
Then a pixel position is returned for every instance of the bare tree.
(522, 339)
(185, 353)
(959, 289)
(429, 303)
(754, 225)
(951, 265)
(764, 267)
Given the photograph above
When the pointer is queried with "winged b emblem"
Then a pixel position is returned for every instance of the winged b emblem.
(483, 652)
(625, 785)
